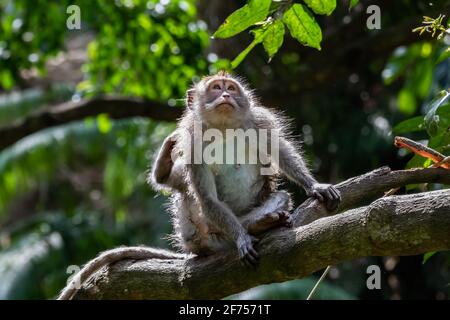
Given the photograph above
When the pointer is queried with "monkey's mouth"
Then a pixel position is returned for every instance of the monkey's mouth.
(225, 106)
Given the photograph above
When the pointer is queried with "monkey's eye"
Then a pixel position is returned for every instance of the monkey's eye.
(216, 87)
(231, 88)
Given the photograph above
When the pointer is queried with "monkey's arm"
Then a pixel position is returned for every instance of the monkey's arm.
(293, 166)
(219, 214)
(168, 169)
(163, 164)
(290, 161)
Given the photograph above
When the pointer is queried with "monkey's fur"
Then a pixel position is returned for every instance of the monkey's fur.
(216, 207)
(220, 206)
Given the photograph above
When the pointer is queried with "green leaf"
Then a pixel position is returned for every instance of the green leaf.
(440, 142)
(416, 162)
(443, 56)
(259, 34)
(413, 186)
(303, 26)
(406, 101)
(321, 6)
(432, 125)
(253, 12)
(6, 80)
(444, 113)
(421, 78)
(427, 163)
(432, 118)
(104, 123)
(409, 125)
(426, 74)
(144, 21)
(273, 38)
(271, 35)
(353, 3)
(427, 256)
(399, 62)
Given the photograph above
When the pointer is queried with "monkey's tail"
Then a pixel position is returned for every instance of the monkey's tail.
(111, 256)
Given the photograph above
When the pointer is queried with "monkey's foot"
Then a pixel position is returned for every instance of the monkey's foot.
(270, 220)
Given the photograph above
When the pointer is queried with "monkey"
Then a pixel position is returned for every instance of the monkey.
(191, 231)
(215, 207)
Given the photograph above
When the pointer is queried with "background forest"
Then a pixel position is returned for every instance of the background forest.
(83, 111)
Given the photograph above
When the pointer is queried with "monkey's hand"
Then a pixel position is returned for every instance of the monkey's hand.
(164, 163)
(326, 193)
(247, 253)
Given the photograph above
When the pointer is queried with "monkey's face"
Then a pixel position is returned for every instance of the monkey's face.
(221, 96)
(223, 101)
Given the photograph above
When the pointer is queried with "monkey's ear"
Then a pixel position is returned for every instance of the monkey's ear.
(190, 98)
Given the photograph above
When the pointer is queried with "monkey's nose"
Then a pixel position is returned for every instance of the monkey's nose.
(225, 95)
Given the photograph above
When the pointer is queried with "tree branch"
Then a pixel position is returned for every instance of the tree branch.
(115, 107)
(362, 189)
(396, 225)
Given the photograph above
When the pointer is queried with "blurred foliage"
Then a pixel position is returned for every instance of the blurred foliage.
(426, 69)
(95, 170)
(68, 192)
(129, 32)
(428, 80)
(150, 48)
(78, 168)
(60, 153)
(54, 241)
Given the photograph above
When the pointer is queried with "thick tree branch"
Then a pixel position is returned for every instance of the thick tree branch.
(396, 225)
(116, 108)
(360, 190)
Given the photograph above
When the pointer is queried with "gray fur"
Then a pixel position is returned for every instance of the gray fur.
(222, 201)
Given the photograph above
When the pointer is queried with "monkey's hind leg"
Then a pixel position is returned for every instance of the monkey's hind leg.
(192, 233)
(274, 212)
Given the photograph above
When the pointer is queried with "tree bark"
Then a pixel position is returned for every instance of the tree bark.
(396, 225)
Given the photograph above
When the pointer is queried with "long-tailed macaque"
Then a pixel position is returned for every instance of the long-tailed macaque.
(218, 205)
(224, 204)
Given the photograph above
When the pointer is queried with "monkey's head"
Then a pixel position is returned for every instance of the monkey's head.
(220, 100)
